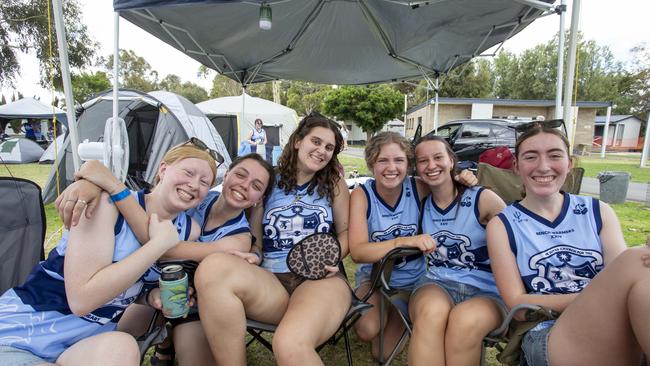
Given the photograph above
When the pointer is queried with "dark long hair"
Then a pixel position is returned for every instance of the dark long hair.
(460, 188)
(325, 179)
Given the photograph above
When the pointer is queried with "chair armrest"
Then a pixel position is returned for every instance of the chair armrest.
(382, 270)
(501, 331)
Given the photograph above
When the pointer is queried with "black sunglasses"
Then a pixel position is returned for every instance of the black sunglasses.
(202, 146)
(552, 123)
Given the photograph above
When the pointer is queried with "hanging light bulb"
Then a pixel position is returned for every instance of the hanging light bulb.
(265, 16)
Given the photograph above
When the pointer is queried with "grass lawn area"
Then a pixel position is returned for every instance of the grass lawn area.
(594, 165)
(634, 219)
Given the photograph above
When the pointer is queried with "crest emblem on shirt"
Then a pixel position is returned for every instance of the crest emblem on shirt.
(564, 269)
(290, 224)
(452, 251)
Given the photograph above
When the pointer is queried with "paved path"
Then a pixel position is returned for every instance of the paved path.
(636, 191)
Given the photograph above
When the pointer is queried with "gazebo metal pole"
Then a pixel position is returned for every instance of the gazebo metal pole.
(568, 85)
(116, 63)
(605, 133)
(67, 83)
(560, 65)
(646, 141)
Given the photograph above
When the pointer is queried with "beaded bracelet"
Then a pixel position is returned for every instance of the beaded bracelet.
(120, 196)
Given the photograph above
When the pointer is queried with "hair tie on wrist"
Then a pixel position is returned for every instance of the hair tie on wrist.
(120, 196)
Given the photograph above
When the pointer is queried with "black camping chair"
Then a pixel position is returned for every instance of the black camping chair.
(380, 282)
(22, 230)
(357, 308)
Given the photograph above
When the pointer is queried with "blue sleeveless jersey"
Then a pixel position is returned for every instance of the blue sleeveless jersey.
(288, 218)
(386, 223)
(36, 316)
(233, 226)
(462, 254)
(559, 257)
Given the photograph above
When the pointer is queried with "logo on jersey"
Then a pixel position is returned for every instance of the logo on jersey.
(466, 202)
(395, 231)
(289, 224)
(452, 251)
(580, 209)
(564, 269)
(518, 217)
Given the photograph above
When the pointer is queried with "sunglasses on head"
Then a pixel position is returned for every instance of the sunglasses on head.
(202, 146)
(553, 123)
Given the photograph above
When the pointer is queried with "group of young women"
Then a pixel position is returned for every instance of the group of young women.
(542, 250)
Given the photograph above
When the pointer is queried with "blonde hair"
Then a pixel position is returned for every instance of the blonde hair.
(186, 151)
(384, 138)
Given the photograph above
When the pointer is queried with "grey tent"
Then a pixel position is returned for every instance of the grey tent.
(31, 108)
(49, 155)
(332, 42)
(155, 122)
(20, 150)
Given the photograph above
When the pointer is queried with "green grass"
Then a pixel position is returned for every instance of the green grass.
(633, 216)
(594, 165)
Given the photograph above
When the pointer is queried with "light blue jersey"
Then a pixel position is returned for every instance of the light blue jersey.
(233, 226)
(258, 136)
(559, 257)
(386, 223)
(36, 316)
(462, 254)
(288, 218)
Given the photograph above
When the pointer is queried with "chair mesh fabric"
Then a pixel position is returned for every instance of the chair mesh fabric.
(22, 230)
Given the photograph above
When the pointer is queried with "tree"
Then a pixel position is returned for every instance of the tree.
(194, 93)
(369, 106)
(135, 71)
(471, 80)
(24, 28)
(306, 97)
(85, 85)
(224, 87)
(3, 100)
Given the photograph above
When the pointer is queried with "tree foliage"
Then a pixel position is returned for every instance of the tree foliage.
(85, 85)
(24, 27)
(306, 97)
(369, 106)
(135, 71)
(224, 87)
(194, 93)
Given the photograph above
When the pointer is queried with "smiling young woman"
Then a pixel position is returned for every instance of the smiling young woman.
(567, 253)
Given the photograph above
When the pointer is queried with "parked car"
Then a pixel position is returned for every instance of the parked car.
(470, 137)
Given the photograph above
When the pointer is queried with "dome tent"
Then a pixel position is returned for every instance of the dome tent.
(49, 155)
(279, 121)
(155, 122)
(20, 151)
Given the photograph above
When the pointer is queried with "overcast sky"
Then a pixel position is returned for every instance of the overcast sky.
(618, 24)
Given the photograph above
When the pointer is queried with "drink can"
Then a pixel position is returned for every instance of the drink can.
(173, 291)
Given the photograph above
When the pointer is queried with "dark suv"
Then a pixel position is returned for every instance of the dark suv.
(470, 137)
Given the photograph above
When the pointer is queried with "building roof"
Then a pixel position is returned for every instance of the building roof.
(501, 102)
(600, 120)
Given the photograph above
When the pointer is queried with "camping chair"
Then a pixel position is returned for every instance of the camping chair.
(357, 308)
(380, 280)
(22, 230)
(507, 185)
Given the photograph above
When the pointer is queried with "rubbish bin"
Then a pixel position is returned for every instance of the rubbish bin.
(613, 186)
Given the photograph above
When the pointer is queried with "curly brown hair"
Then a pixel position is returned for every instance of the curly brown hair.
(326, 179)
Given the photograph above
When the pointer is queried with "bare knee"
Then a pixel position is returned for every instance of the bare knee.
(287, 347)
(217, 269)
(431, 313)
(367, 328)
(129, 352)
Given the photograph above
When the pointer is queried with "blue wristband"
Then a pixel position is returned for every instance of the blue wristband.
(120, 196)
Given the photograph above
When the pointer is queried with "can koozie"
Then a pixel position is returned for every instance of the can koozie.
(173, 291)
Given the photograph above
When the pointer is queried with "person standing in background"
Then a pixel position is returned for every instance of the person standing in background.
(345, 132)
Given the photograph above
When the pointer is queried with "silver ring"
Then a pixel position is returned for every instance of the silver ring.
(83, 201)
(75, 201)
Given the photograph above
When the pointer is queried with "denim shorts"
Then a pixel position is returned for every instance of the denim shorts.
(11, 356)
(459, 292)
(534, 345)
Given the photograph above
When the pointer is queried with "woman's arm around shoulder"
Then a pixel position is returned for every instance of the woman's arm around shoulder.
(91, 277)
(198, 251)
(489, 205)
(611, 235)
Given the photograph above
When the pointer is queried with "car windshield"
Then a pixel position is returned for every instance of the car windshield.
(448, 132)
